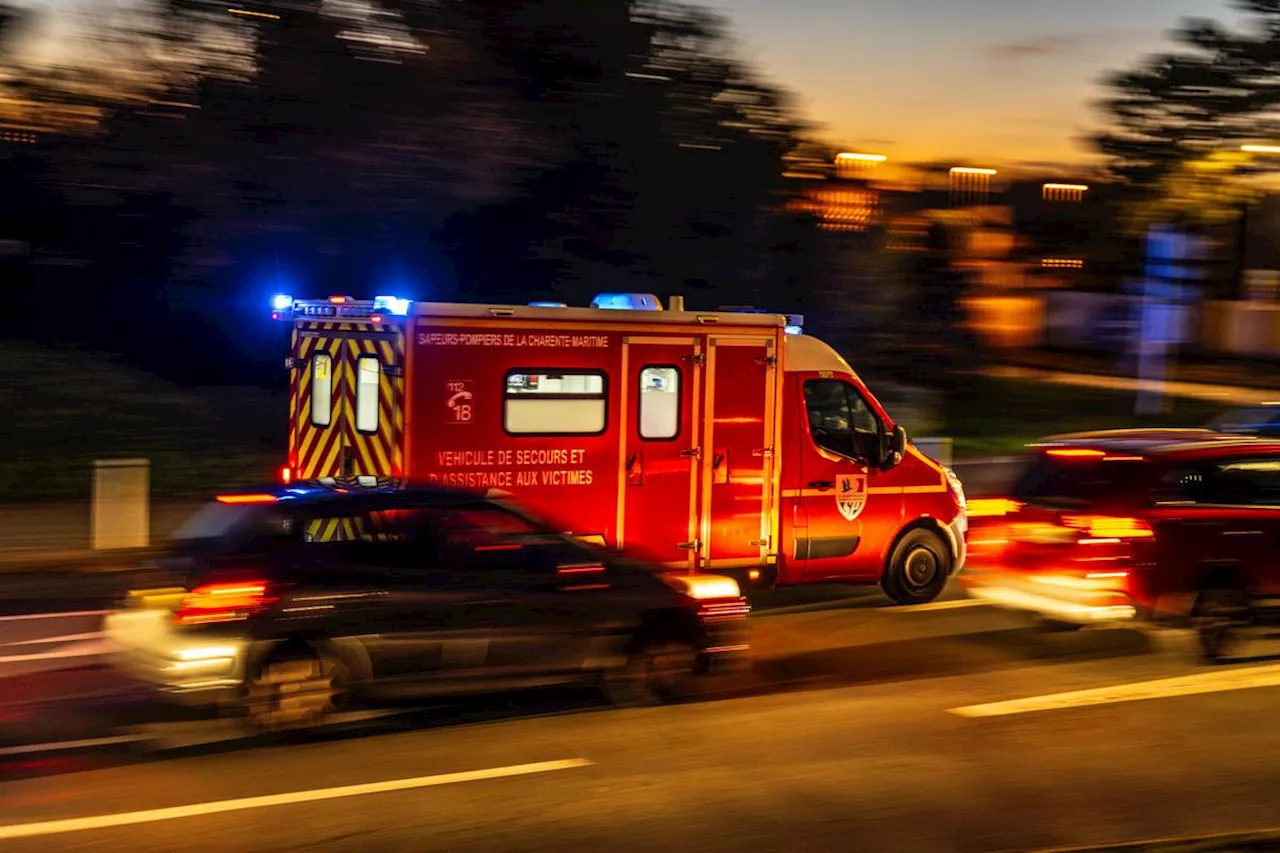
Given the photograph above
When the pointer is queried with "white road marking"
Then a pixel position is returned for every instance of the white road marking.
(77, 824)
(68, 745)
(936, 605)
(67, 615)
(1216, 681)
(77, 650)
(66, 638)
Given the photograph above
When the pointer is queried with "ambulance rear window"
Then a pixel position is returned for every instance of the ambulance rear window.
(555, 402)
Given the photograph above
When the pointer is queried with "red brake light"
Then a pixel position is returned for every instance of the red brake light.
(246, 499)
(375, 318)
(286, 474)
(991, 507)
(1075, 453)
(1106, 528)
(223, 602)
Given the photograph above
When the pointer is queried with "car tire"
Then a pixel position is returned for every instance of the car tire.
(293, 690)
(656, 672)
(1219, 616)
(918, 568)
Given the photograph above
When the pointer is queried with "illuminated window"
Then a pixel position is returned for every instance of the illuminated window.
(368, 374)
(321, 389)
(659, 409)
(555, 402)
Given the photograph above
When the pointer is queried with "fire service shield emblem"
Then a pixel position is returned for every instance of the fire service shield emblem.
(851, 494)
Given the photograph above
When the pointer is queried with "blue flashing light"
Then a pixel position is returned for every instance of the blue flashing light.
(547, 305)
(794, 330)
(392, 305)
(627, 302)
(282, 302)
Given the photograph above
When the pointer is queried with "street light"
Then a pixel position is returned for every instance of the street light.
(865, 158)
(966, 170)
(1261, 149)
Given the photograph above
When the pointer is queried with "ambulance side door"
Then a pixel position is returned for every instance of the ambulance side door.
(839, 500)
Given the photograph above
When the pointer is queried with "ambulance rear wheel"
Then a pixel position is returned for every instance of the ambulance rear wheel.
(918, 568)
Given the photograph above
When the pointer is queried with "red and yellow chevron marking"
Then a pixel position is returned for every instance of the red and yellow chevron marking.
(379, 453)
(317, 451)
(335, 530)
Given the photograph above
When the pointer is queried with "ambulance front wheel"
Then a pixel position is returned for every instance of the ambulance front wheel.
(918, 568)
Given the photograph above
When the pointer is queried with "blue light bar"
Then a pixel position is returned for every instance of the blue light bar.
(794, 330)
(392, 305)
(281, 302)
(547, 305)
(627, 302)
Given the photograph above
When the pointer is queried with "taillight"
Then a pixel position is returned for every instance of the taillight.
(286, 474)
(992, 507)
(1108, 529)
(223, 602)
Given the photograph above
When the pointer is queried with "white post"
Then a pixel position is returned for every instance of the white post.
(121, 511)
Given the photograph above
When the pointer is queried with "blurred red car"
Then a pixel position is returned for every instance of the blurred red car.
(1179, 526)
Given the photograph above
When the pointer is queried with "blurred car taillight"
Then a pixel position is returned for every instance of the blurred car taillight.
(1106, 529)
(992, 507)
(223, 602)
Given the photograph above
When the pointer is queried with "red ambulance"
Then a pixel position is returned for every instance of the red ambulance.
(710, 441)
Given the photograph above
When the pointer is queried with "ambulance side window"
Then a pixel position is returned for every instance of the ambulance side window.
(321, 389)
(659, 408)
(368, 376)
(554, 402)
(840, 420)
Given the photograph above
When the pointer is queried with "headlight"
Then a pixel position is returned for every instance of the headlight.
(957, 487)
(704, 587)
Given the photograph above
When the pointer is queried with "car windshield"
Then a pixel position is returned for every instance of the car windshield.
(1078, 481)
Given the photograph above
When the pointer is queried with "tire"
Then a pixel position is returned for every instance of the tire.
(292, 691)
(918, 568)
(1219, 617)
(656, 672)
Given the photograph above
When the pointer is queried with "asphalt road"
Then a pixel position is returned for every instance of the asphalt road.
(864, 727)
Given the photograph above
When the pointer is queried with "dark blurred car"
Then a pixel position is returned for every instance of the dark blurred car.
(1261, 420)
(1180, 526)
(285, 602)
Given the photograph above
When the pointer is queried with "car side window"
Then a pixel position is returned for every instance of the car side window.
(396, 538)
(484, 538)
(840, 419)
(1243, 482)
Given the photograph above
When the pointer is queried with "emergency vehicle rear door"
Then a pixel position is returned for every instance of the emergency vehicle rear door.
(347, 401)
(738, 456)
(661, 394)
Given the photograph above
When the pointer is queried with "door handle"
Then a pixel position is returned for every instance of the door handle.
(822, 484)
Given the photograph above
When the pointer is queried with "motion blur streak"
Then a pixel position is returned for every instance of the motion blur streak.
(1187, 685)
(53, 827)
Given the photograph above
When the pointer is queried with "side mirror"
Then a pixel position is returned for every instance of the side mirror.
(896, 449)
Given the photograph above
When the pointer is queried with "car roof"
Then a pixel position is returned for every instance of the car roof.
(313, 492)
(1162, 442)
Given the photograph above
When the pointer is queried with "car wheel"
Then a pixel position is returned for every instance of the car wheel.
(293, 691)
(1220, 615)
(656, 672)
(918, 568)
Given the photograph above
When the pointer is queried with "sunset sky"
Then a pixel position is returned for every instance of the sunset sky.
(982, 80)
